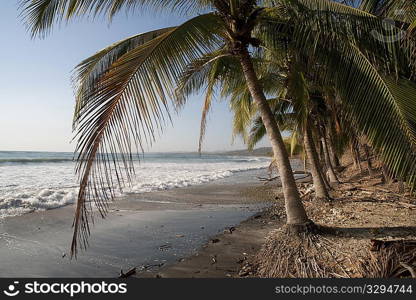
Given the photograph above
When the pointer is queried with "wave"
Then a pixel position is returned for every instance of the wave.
(22, 201)
(33, 160)
(42, 185)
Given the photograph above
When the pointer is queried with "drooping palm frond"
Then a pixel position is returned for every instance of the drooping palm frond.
(402, 10)
(324, 23)
(383, 108)
(338, 44)
(257, 133)
(41, 15)
(124, 105)
(89, 71)
(196, 76)
(243, 107)
(208, 72)
(285, 117)
(222, 72)
(299, 94)
(243, 112)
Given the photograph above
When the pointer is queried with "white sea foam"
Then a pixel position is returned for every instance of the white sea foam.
(27, 187)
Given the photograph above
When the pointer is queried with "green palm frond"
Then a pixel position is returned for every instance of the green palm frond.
(403, 10)
(209, 94)
(200, 73)
(221, 71)
(412, 26)
(317, 24)
(243, 112)
(89, 71)
(337, 41)
(41, 15)
(383, 108)
(207, 72)
(284, 114)
(125, 105)
(299, 92)
(257, 132)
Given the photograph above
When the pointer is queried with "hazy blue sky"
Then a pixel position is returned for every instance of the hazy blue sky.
(36, 95)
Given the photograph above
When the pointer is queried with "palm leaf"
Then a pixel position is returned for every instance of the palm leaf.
(89, 71)
(41, 15)
(383, 108)
(123, 107)
(324, 23)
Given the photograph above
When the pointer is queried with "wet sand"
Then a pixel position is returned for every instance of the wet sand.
(144, 231)
(227, 254)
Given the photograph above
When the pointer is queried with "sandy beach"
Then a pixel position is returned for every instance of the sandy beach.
(366, 223)
(146, 231)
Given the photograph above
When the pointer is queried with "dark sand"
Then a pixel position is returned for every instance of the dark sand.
(144, 231)
(225, 254)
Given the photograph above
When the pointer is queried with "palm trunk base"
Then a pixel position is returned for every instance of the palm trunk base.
(334, 184)
(296, 252)
(301, 229)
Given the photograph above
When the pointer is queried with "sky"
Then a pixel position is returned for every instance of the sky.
(36, 95)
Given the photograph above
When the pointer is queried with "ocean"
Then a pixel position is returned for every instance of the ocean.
(32, 181)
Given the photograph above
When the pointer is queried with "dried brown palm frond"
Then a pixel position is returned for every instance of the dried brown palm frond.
(390, 259)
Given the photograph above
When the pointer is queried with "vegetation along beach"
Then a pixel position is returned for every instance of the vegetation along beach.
(211, 139)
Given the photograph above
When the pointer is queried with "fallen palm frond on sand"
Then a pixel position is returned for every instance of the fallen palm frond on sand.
(390, 259)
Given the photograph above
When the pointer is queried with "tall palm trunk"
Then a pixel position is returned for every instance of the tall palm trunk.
(334, 158)
(296, 214)
(368, 159)
(318, 181)
(387, 177)
(355, 153)
(328, 186)
(332, 176)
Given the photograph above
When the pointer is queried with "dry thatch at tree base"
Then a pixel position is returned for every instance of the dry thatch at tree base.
(390, 259)
(309, 255)
(315, 256)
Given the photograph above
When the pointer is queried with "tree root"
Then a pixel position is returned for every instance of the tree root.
(298, 251)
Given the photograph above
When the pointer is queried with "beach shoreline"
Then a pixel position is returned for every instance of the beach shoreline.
(228, 254)
(365, 221)
(150, 229)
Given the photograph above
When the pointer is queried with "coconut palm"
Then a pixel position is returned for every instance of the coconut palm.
(216, 69)
(398, 10)
(125, 91)
(290, 106)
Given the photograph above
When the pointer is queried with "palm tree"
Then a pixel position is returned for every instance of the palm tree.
(216, 69)
(124, 92)
(398, 10)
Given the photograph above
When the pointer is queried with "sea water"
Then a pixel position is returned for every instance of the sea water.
(31, 181)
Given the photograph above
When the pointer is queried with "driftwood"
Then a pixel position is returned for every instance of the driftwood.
(129, 273)
(378, 189)
(393, 203)
(268, 179)
(307, 193)
(407, 205)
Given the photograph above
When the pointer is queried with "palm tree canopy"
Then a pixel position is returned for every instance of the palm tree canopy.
(126, 91)
(41, 15)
